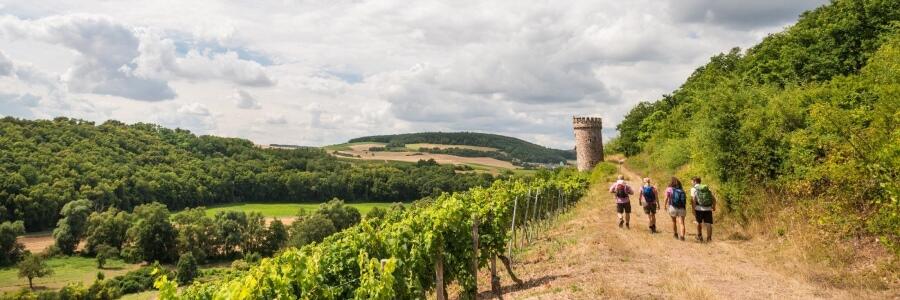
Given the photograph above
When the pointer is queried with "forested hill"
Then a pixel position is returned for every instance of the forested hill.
(516, 148)
(45, 164)
(809, 114)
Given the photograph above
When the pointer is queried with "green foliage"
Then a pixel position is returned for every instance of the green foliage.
(809, 113)
(106, 228)
(186, 269)
(395, 261)
(342, 216)
(105, 252)
(311, 228)
(10, 249)
(33, 266)
(276, 237)
(46, 164)
(512, 148)
(604, 172)
(72, 226)
(152, 235)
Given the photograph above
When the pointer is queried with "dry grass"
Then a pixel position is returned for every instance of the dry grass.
(585, 256)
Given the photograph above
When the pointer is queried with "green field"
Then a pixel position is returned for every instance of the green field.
(65, 270)
(286, 209)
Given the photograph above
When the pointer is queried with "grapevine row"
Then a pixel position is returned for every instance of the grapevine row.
(407, 255)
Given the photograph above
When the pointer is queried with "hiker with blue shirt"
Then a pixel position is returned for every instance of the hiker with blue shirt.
(704, 204)
(676, 201)
(648, 200)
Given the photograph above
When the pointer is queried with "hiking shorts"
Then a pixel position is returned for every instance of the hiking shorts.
(703, 216)
(676, 212)
(650, 208)
(623, 208)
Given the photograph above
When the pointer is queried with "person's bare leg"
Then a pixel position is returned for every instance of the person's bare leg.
(683, 228)
(700, 231)
(628, 220)
(621, 219)
(708, 232)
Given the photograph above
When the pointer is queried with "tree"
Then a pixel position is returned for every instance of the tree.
(72, 226)
(10, 249)
(276, 237)
(312, 228)
(105, 252)
(108, 228)
(186, 269)
(197, 234)
(33, 266)
(342, 216)
(152, 235)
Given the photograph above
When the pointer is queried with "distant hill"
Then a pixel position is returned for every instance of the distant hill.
(513, 149)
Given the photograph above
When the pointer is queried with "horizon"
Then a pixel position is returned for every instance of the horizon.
(318, 74)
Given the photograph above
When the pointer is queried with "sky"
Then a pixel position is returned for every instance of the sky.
(321, 72)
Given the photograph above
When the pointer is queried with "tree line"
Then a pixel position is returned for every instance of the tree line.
(808, 113)
(45, 164)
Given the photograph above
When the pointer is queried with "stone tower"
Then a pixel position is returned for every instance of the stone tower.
(588, 142)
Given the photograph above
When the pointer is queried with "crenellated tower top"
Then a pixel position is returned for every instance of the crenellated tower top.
(587, 122)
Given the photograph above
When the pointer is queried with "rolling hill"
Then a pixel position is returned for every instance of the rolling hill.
(506, 148)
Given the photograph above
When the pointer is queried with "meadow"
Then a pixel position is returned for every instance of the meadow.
(66, 269)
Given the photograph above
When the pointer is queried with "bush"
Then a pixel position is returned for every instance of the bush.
(186, 269)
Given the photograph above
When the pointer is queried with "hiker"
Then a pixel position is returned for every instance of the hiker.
(704, 205)
(648, 200)
(623, 203)
(675, 202)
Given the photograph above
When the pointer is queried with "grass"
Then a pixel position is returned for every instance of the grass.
(65, 270)
(141, 296)
(286, 209)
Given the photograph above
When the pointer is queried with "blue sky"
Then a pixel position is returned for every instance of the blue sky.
(321, 72)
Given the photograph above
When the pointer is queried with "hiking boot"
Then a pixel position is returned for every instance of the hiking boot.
(709, 239)
(620, 223)
(682, 238)
(627, 226)
(676, 235)
(699, 238)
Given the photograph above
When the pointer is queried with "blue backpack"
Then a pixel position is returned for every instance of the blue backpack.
(678, 198)
(649, 196)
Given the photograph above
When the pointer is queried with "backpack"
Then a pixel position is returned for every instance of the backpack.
(678, 198)
(704, 196)
(621, 191)
(649, 196)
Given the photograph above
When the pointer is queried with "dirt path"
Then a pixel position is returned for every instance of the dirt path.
(586, 256)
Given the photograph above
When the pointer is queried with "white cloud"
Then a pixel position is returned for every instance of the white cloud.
(243, 99)
(331, 71)
(196, 109)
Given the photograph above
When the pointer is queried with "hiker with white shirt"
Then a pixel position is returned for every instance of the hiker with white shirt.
(704, 204)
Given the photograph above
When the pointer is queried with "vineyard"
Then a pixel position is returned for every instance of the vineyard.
(410, 253)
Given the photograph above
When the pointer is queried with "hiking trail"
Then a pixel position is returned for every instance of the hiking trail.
(586, 256)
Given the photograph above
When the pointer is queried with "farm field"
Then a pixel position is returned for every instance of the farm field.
(65, 270)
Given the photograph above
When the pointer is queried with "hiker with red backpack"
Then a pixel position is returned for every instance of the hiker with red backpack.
(675, 202)
(623, 202)
(648, 200)
(704, 204)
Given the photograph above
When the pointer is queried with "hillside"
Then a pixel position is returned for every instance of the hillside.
(507, 148)
(45, 164)
(804, 122)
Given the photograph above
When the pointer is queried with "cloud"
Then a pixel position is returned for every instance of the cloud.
(19, 105)
(738, 14)
(105, 48)
(196, 109)
(275, 119)
(350, 68)
(243, 99)
(6, 65)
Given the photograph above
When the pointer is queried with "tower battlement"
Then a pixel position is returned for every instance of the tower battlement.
(588, 122)
(588, 141)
